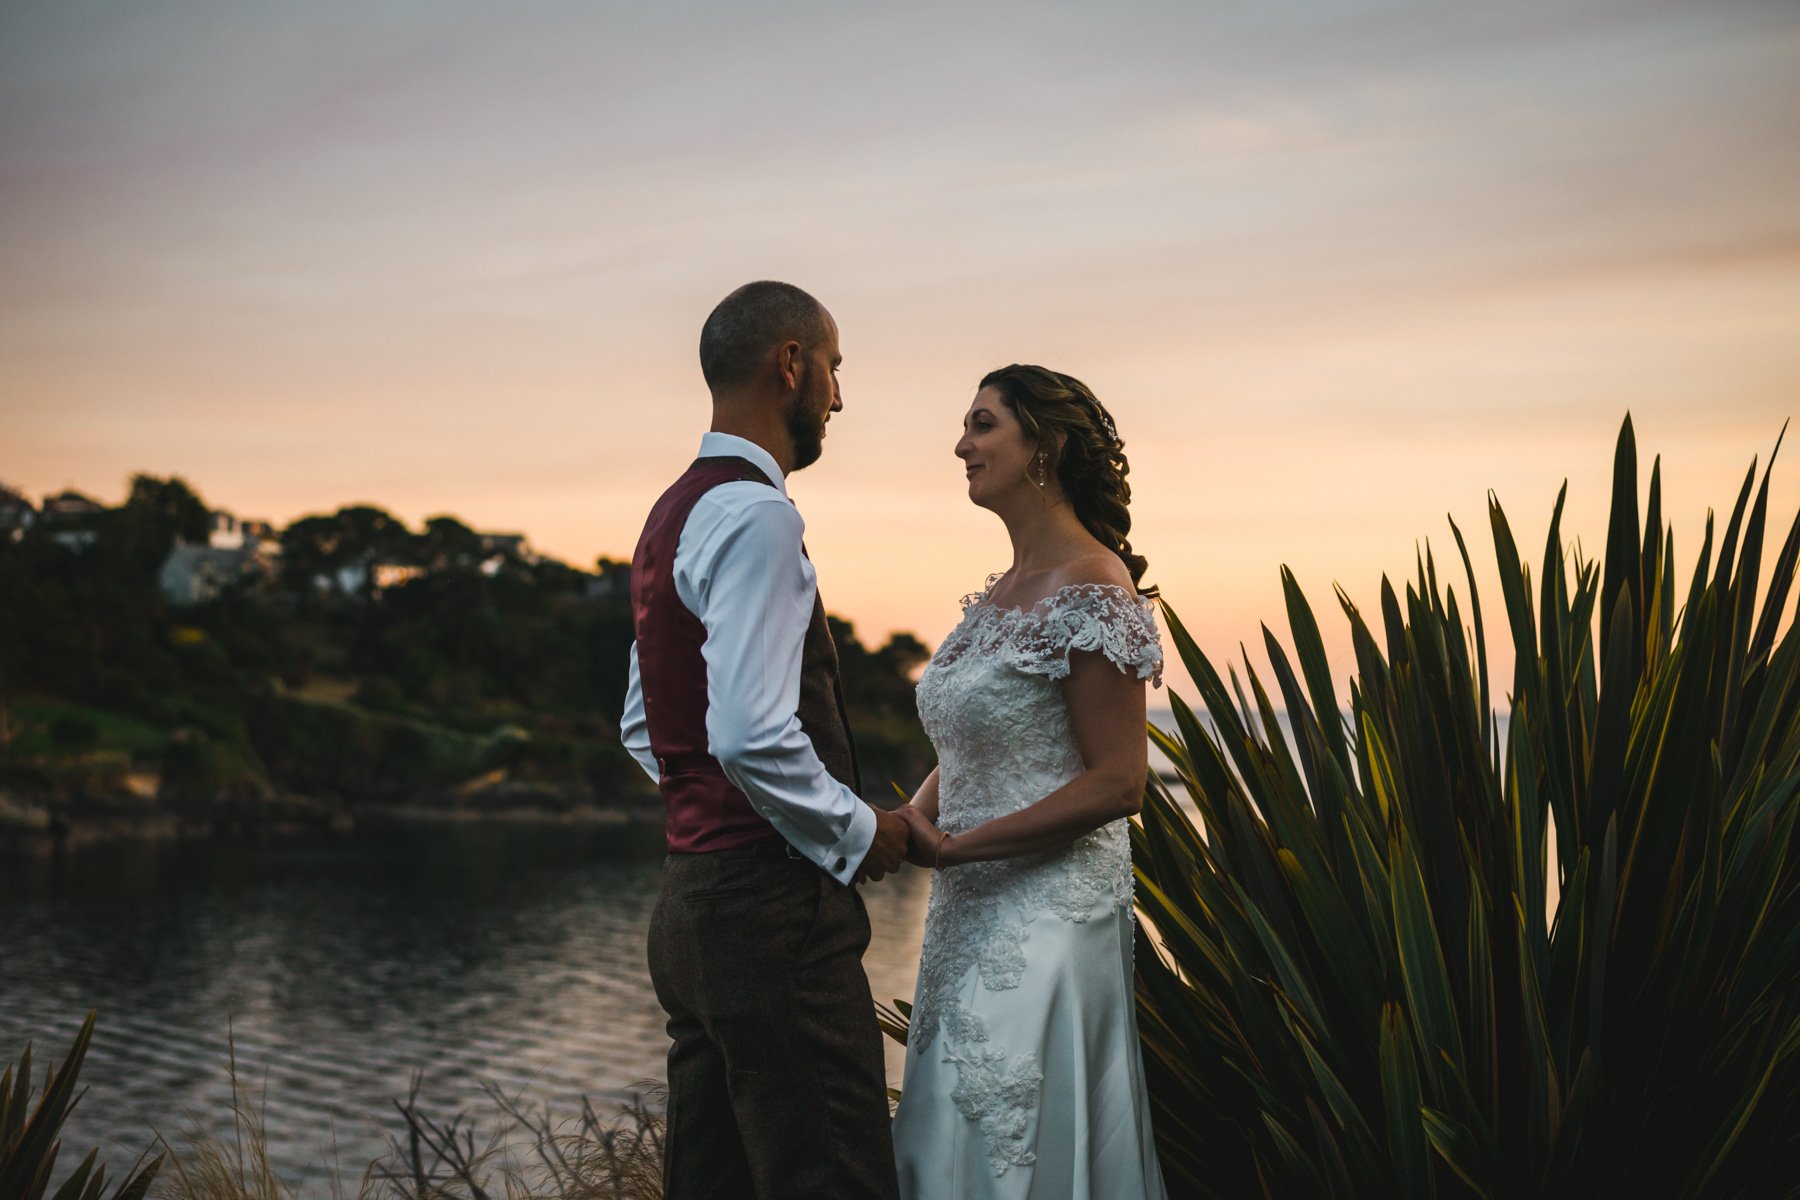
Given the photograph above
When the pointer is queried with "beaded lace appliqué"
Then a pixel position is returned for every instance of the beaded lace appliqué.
(1039, 639)
(994, 1091)
(990, 703)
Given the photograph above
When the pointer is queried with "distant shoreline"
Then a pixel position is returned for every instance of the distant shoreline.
(37, 825)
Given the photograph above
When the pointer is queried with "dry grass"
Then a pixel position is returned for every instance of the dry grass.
(534, 1155)
(523, 1155)
(206, 1166)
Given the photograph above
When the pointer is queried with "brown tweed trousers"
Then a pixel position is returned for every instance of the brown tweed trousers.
(777, 1086)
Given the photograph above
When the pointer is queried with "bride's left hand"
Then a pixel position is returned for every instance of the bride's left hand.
(923, 839)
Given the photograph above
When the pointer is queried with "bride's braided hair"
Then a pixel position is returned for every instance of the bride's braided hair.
(1090, 466)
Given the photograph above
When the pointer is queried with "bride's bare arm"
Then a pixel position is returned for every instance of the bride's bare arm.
(1106, 714)
(926, 798)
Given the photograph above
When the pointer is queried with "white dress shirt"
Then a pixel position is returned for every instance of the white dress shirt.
(740, 570)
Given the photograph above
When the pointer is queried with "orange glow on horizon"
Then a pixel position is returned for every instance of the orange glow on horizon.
(1336, 276)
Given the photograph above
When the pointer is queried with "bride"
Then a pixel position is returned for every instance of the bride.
(1023, 1074)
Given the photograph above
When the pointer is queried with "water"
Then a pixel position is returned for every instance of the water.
(341, 967)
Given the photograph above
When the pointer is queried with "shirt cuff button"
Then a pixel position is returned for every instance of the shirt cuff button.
(840, 864)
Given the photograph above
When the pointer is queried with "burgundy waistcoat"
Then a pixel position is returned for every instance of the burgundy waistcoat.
(705, 811)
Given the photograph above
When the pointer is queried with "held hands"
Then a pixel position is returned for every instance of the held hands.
(903, 835)
(925, 843)
(887, 851)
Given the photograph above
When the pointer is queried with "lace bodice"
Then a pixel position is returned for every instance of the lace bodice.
(990, 703)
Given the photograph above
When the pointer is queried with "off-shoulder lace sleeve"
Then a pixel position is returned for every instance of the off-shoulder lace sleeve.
(1084, 616)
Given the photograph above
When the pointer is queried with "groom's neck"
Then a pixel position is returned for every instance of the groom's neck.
(757, 424)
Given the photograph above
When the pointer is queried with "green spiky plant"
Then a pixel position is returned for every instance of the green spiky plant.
(1360, 989)
(31, 1135)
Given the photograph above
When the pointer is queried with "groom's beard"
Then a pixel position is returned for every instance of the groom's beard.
(807, 435)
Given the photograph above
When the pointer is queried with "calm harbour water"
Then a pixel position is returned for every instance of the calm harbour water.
(342, 966)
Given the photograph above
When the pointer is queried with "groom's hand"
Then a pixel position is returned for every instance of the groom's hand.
(921, 844)
(887, 851)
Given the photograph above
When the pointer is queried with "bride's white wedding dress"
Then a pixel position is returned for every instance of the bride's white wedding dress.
(1023, 1073)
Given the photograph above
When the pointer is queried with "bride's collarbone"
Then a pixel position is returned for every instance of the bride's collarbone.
(1028, 589)
(1027, 592)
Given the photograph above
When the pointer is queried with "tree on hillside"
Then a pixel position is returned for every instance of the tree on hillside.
(16, 511)
(309, 548)
(370, 532)
(448, 544)
(879, 688)
(169, 508)
(11, 659)
(879, 679)
(360, 533)
(132, 540)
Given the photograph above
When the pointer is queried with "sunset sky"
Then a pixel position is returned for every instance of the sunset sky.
(1337, 269)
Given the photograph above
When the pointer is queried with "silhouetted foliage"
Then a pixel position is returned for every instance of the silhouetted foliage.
(879, 683)
(378, 664)
(1412, 950)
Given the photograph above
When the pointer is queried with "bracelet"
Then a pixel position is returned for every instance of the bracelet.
(937, 857)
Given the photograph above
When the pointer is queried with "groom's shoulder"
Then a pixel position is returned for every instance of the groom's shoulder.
(757, 501)
(746, 506)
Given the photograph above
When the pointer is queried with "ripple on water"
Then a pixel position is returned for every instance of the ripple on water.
(341, 969)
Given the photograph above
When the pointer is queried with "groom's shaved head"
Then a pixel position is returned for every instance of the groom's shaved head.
(746, 323)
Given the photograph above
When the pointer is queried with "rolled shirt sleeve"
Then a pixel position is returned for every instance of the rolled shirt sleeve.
(744, 575)
(634, 729)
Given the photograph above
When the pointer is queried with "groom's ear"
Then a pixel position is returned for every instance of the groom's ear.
(789, 364)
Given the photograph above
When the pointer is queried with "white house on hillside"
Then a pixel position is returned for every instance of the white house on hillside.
(67, 514)
(235, 552)
(70, 504)
(196, 574)
(224, 532)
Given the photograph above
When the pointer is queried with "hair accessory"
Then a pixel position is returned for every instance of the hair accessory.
(1106, 422)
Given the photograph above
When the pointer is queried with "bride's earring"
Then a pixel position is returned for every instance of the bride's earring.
(1043, 476)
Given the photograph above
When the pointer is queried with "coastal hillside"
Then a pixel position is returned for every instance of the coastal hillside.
(166, 663)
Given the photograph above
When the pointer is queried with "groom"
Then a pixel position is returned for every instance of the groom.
(777, 1087)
